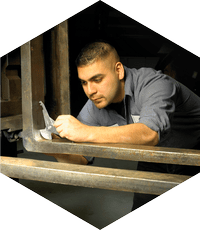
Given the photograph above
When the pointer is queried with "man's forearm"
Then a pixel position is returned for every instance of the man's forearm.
(138, 134)
(72, 129)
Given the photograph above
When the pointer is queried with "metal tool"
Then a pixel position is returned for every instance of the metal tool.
(49, 129)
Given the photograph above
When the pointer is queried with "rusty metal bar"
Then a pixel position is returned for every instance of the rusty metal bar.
(32, 65)
(12, 123)
(89, 176)
(26, 86)
(119, 151)
(37, 78)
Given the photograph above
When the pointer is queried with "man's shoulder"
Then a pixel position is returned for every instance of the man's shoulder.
(142, 70)
(144, 76)
(142, 73)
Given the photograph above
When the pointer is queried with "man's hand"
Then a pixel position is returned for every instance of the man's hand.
(71, 128)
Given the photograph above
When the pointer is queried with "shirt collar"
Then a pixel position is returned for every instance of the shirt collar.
(128, 82)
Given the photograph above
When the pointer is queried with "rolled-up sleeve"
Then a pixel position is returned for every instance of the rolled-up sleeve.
(158, 98)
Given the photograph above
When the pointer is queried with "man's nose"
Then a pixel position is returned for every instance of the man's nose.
(91, 89)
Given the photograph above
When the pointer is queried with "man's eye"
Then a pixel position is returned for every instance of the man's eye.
(83, 82)
(98, 80)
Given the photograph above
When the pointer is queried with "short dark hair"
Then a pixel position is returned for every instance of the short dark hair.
(95, 51)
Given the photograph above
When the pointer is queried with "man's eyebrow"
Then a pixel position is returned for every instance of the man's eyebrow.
(94, 77)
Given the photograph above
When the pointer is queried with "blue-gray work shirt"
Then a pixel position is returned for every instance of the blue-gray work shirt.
(156, 100)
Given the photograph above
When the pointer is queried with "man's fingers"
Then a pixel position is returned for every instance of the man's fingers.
(62, 117)
(58, 123)
(59, 129)
(59, 120)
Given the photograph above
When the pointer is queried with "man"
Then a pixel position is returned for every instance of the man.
(142, 107)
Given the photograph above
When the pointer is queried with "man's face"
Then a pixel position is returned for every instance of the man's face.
(103, 82)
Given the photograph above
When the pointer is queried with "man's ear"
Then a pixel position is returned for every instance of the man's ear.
(120, 70)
